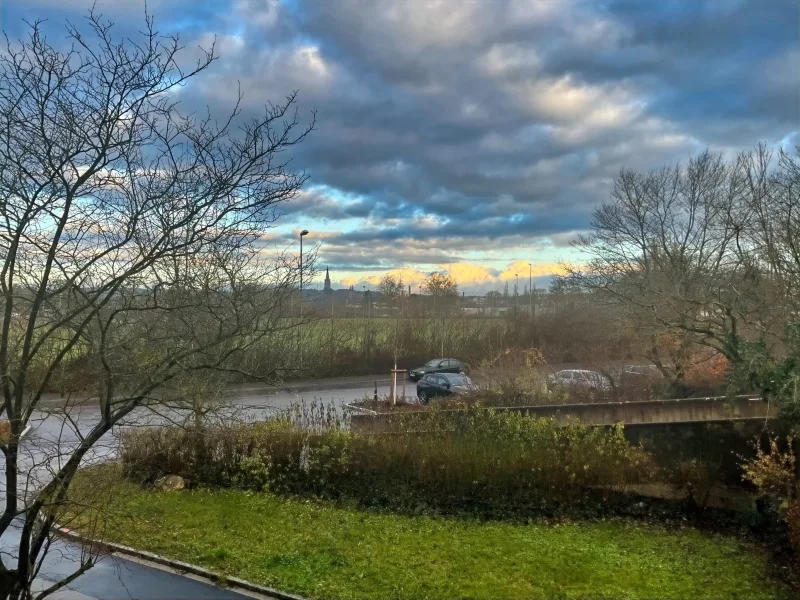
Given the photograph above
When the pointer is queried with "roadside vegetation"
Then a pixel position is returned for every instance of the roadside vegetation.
(476, 462)
(475, 489)
(338, 552)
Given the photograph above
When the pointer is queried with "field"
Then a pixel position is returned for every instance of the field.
(327, 551)
(357, 346)
(366, 346)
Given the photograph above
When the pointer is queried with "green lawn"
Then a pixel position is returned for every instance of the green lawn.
(323, 551)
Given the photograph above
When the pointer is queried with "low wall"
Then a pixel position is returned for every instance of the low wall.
(720, 446)
(717, 432)
(688, 410)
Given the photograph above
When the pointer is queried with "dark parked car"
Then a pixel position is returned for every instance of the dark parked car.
(439, 365)
(443, 384)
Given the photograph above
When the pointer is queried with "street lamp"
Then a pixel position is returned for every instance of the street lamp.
(302, 234)
(516, 295)
(530, 285)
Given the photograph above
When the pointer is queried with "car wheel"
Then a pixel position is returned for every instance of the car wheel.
(423, 397)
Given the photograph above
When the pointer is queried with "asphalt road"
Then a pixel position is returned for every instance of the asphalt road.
(53, 434)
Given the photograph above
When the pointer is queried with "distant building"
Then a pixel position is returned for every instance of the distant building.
(327, 289)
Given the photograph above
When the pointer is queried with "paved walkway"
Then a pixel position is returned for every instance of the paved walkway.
(114, 578)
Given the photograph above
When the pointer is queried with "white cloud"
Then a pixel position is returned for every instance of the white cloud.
(309, 62)
(263, 13)
(506, 59)
(566, 99)
(430, 23)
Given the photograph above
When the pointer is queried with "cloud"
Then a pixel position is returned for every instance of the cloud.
(411, 277)
(523, 269)
(469, 277)
(477, 133)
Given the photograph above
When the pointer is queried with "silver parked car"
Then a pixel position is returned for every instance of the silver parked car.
(582, 381)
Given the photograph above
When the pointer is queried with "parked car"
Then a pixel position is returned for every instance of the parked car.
(581, 381)
(639, 382)
(443, 384)
(637, 373)
(439, 365)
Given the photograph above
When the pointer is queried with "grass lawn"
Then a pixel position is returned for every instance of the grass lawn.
(324, 551)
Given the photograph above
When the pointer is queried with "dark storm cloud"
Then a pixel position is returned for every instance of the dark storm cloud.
(500, 121)
(318, 203)
(463, 229)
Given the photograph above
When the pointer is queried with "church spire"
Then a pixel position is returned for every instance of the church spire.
(327, 280)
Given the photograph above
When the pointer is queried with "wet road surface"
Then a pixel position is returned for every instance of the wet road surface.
(53, 435)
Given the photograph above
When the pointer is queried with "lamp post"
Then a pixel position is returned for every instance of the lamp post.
(366, 329)
(530, 286)
(302, 234)
(516, 295)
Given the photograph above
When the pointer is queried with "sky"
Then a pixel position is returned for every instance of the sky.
(477, 137)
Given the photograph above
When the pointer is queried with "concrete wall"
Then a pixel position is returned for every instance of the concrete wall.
(721, 446)
(717, 432)
(655, 412)
(690, 410)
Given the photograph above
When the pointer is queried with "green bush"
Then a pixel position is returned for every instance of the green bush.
(476, 460)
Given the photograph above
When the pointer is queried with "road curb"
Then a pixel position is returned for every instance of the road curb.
(325, 385)
(359, 409)
(232, 583)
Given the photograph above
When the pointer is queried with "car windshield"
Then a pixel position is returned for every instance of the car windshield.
(459, 380)
(433, 363)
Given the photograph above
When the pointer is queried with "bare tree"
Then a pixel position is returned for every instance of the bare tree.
(663, 245)
(127, 246)
(391, 288)
(705, 254)
(440, 284)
